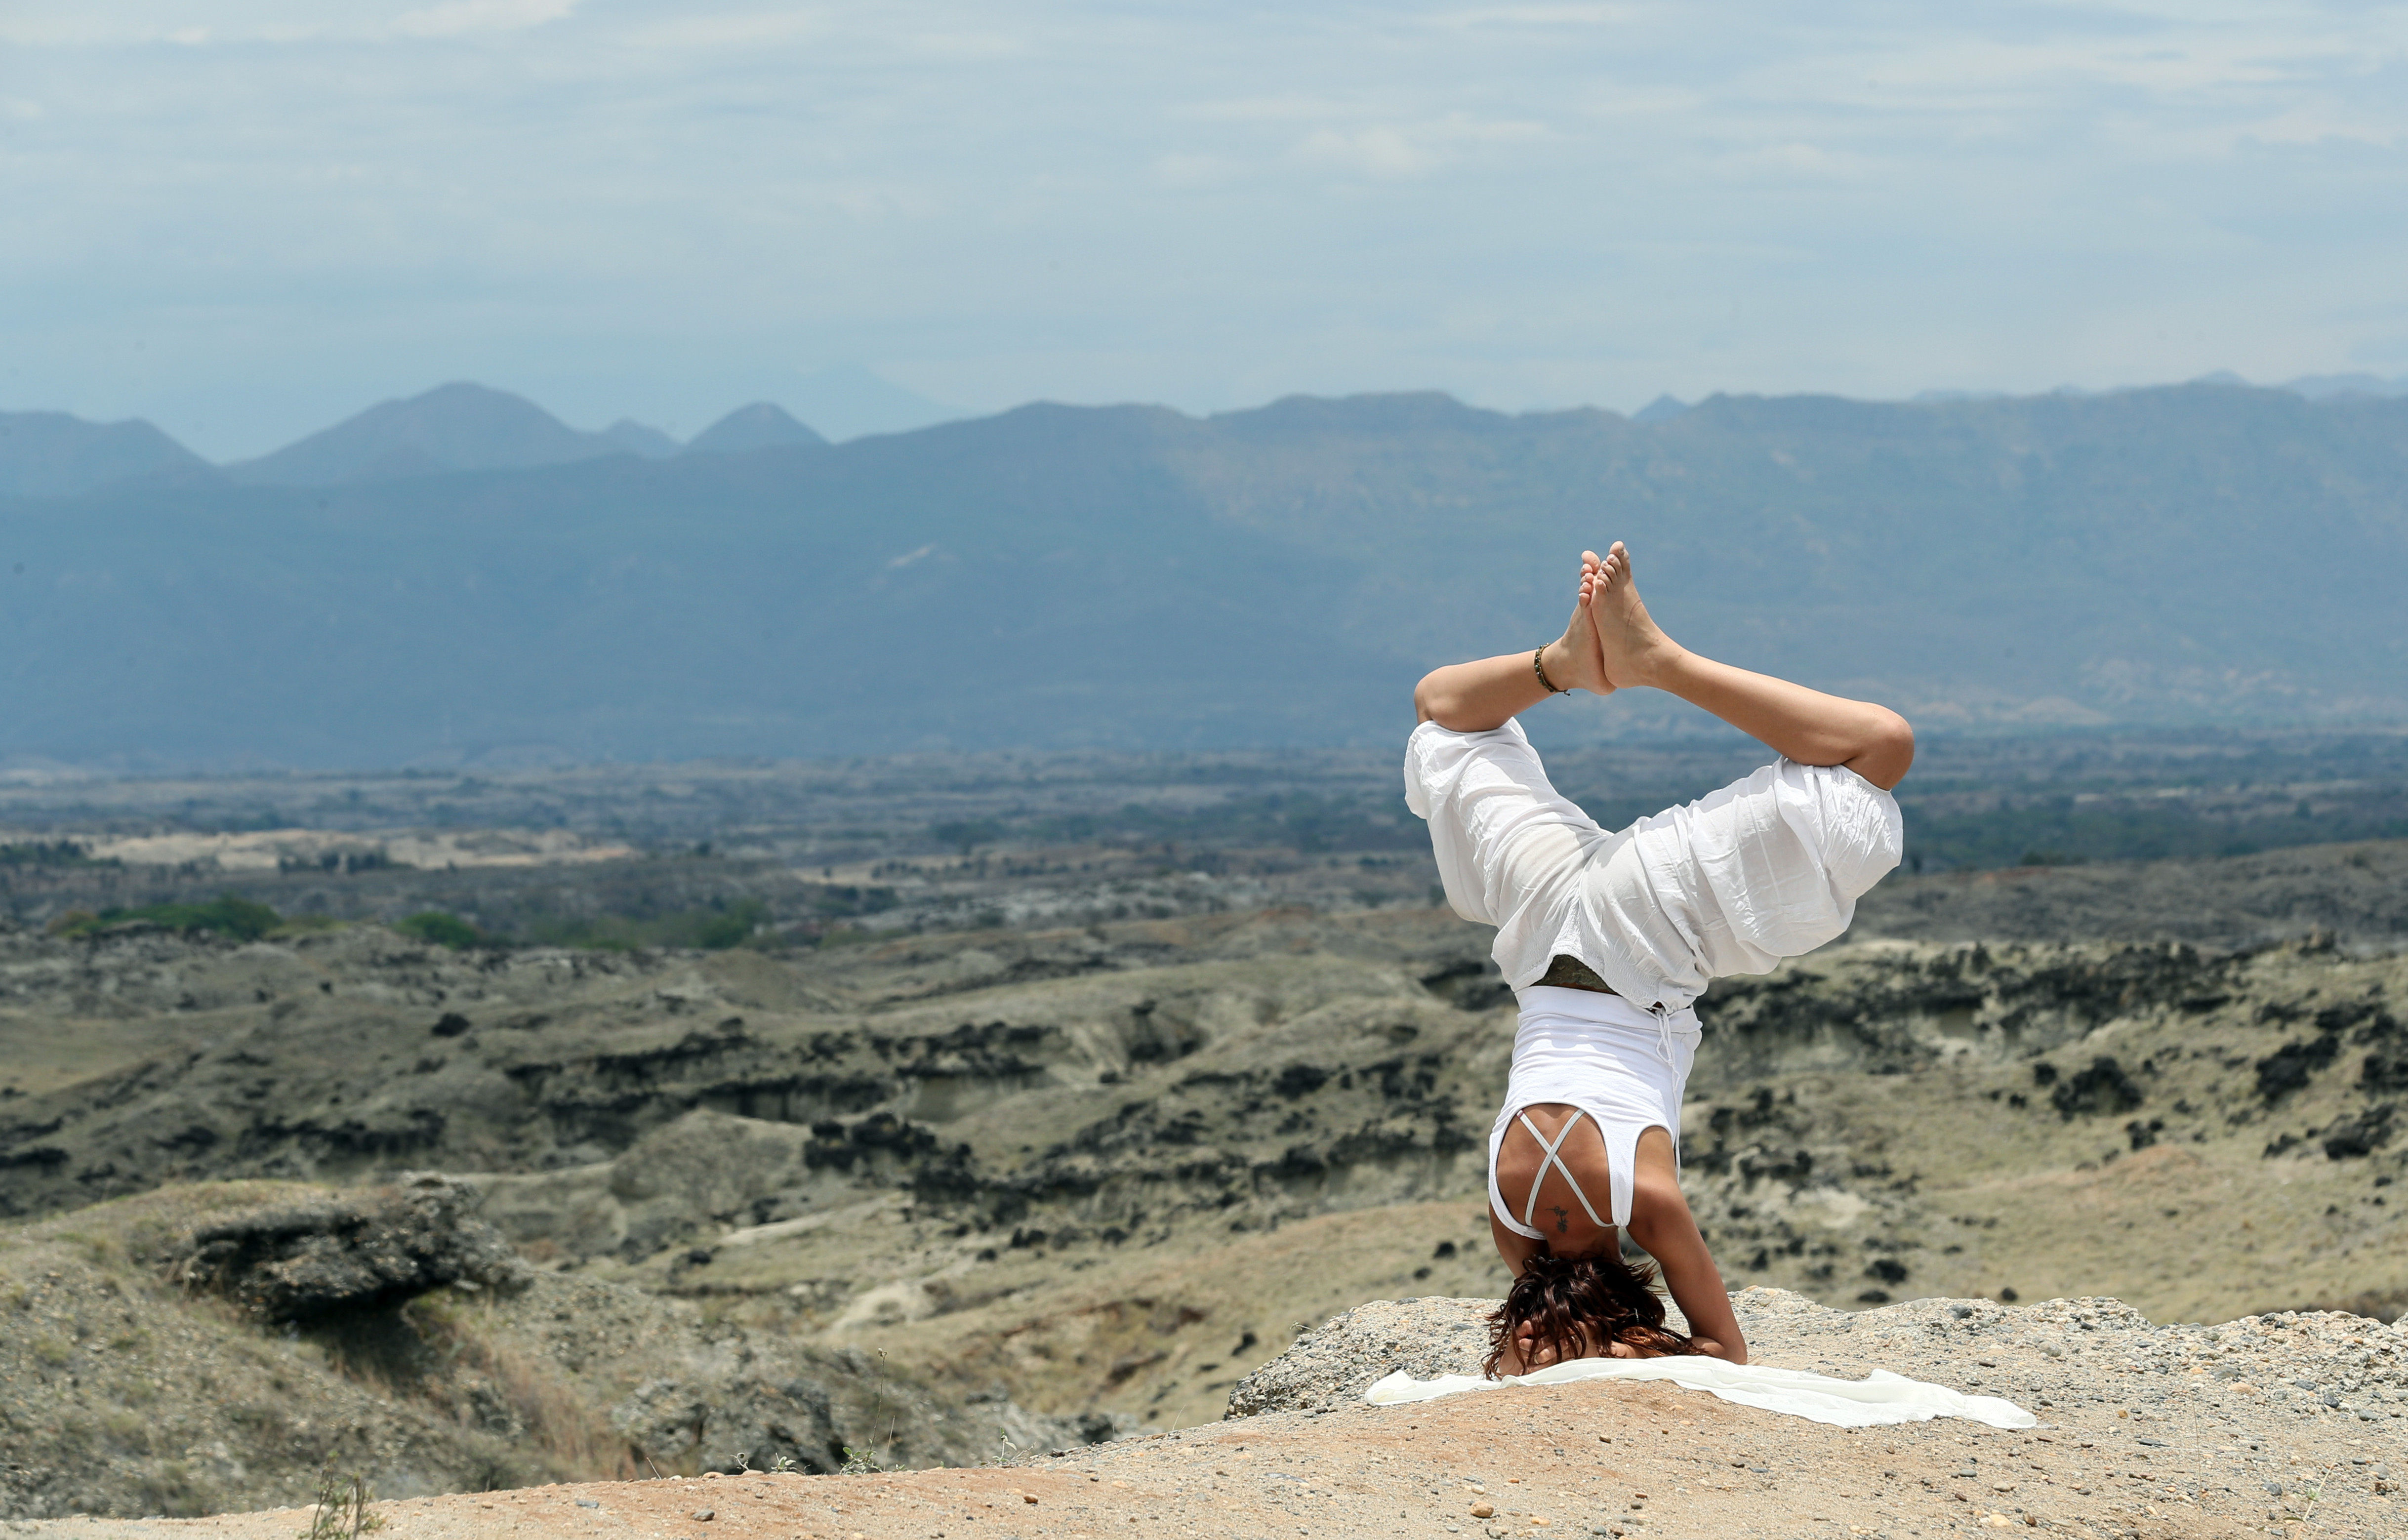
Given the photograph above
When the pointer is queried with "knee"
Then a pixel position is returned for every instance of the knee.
(1897, 741)
(1430, 698)
(1888, 753)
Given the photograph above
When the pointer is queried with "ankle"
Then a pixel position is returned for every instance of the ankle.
(1567, 668)
(1662, 665)
(1555, 662)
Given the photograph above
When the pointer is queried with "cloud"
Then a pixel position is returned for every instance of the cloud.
(1186, 171)
(1543, 16)
(454, 17)
(1289, 107)
(651, 208)
(1391, 150)
(725, 31)
(1379, 151)
(1791, 162)
(2323, 123)
(135, 23)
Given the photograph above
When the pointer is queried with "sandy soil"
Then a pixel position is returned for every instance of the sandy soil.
(1634, 1460)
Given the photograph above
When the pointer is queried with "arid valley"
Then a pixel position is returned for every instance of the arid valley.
(1005, 1145)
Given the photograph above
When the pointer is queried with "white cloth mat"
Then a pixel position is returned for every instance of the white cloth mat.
(1881, 1397)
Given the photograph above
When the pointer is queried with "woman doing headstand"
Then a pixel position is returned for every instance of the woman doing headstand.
(1607, 938)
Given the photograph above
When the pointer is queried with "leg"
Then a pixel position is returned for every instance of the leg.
(1480, 698)
(1510, 848)
(1803, 724)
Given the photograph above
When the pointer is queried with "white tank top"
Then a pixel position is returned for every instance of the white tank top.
(1625, 1065)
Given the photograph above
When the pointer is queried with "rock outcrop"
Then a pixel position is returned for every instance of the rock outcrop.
(368, 1251)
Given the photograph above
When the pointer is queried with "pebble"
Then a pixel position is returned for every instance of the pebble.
(703, 1516)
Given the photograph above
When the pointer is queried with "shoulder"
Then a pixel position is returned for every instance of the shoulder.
(1654, 1186)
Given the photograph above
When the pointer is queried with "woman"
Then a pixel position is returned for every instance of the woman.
(1606, 938)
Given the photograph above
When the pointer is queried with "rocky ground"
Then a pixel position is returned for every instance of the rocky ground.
(2281, 1425)
(214, 1346)
(1047, 1183)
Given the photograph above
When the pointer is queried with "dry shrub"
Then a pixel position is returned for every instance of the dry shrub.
(568, 1431)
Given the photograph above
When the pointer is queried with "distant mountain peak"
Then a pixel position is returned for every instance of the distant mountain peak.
(462, 426)
(1662, 409)
(759, 426)
(53, 454)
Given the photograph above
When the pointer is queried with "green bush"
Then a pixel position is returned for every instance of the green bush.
(236, 919)
(437, 928)
(54, 852)
(714, 927)
(967, 835)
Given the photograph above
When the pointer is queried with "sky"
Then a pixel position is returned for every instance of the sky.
(247, 219)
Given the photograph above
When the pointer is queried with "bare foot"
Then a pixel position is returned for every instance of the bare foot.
(1632, 648)
(1574, 661)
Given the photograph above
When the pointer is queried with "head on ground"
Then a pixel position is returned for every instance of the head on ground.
(1591, 1305)
(1553, 1158)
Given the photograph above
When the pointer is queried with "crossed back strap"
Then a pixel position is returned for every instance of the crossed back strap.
(1549, 1158)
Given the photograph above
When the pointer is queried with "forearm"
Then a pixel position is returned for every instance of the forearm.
(1476, 697)
(1713, 1325)
(1806, 725)
(1693, 1280)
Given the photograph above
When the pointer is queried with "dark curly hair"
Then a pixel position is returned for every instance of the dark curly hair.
(1557, 1297)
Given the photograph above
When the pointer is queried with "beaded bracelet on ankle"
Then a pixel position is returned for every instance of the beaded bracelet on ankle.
(1541, 670)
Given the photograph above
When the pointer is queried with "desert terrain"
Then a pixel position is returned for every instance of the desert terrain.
(1033, 1144)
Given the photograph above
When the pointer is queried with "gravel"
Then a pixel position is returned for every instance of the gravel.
(2050, 1355)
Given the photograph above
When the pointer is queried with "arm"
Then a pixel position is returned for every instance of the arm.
(1660, 1221)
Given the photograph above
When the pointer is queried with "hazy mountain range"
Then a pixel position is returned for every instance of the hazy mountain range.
(463, 577)
(459, 427)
